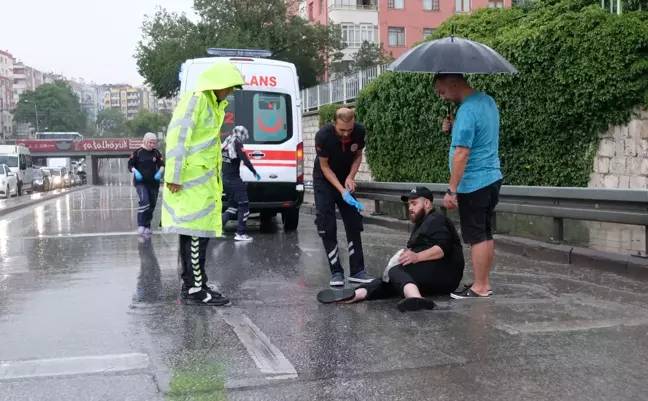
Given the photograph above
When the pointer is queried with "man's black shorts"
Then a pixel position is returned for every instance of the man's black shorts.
(476, 213)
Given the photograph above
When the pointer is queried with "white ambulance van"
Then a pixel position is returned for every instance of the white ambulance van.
(269, 107)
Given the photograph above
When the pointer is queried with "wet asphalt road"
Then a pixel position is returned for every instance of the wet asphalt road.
(90, 311)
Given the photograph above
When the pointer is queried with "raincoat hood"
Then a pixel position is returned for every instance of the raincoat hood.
(219, 76)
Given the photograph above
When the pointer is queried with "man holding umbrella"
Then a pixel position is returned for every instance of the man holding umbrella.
(475, 174)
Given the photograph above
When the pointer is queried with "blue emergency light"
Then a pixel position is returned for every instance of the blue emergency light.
(238, 52)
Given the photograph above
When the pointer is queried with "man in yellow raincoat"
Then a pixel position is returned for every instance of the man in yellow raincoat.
(192, 197)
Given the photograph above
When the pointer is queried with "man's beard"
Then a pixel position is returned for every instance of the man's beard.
(418, 216)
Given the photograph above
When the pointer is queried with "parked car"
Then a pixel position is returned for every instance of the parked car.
(8, 181)
(42, 180)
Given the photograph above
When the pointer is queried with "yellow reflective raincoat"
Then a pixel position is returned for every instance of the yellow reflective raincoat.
(193, 156)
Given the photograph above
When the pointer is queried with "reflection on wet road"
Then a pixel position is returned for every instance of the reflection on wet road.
(89, 310)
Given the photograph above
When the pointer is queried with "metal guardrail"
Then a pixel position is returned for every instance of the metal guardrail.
(622, 206)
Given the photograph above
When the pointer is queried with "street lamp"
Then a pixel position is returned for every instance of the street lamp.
(36, 111)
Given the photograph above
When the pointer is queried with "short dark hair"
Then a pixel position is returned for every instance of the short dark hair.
(443, 77)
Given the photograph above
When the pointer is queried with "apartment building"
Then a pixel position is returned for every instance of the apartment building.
(6, 94)
(25, 79)
(130, 100)
(397, 24)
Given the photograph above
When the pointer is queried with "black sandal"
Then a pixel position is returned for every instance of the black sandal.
(414, 304)
(331, 295)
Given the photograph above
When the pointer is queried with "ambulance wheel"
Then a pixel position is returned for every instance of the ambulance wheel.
(290, 219)
(267, 221)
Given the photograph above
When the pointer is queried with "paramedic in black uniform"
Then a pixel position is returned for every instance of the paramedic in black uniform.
(238, 203)
(339, 154)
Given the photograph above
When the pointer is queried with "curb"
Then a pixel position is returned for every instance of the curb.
(534, 249)
(45, 198)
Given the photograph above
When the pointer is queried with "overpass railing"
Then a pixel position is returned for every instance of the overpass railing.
(622, 206)
(340, 90)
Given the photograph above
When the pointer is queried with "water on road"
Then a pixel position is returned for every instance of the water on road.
(91, 311)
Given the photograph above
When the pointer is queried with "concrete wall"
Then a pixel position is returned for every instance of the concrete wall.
(621, 162)
(310, 127)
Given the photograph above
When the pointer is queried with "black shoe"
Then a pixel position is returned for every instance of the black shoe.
(203, 297)
(184, 291)
(415, 304)
(490, 292)
(467, 293)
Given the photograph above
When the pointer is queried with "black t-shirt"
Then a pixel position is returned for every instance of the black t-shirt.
(437, 229)
(147, 162)
(340, 153)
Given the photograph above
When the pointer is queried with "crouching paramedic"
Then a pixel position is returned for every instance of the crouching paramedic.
(339, 154)
(191, 201)
(431, 264)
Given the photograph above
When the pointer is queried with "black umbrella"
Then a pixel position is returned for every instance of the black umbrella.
(452, 55)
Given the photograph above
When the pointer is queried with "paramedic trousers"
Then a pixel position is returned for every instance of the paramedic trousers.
(148, 195)
(238, 203)
(193, 251)
(431, 277)
(326, 198)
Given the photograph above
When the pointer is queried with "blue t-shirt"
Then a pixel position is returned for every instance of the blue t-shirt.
(476, 127)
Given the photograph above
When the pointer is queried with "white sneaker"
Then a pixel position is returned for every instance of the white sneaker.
(244, 237)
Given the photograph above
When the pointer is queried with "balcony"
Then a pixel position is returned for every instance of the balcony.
(360, 5)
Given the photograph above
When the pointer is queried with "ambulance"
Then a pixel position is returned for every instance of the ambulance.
(270, 108)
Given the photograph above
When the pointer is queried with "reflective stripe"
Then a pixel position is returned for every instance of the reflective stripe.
(190, 217)
(181, 122)
(180, 150)
(202, 146)
(189, 232)
(199, 180)
(330, 255)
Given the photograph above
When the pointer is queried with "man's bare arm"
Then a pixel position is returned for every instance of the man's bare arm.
(459, 161)
(330, 175)
(433, 253)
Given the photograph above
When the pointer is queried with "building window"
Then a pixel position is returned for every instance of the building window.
(427, 32)
(431, 5)
(496, 4)
(321, 6)
(396, 36)
(462, 6)
(396, 4)
(354, 35)
(310, 12)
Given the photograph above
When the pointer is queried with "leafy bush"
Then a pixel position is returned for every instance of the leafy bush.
(327, 113)
(581, 69)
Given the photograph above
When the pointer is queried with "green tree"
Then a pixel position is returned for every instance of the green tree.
(169, 39)
(112, 123)
(147, 121)
(370, 55)
(51, 107)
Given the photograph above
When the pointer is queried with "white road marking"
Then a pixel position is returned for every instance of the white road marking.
(77, 235)
(73, 366)
(570, 325)
(268, 358)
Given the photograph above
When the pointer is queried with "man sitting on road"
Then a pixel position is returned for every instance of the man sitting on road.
(432, 264)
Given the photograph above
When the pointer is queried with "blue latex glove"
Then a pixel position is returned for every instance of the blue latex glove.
(138, 175)
(158, 175)
(348, 198)
(258, 177)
